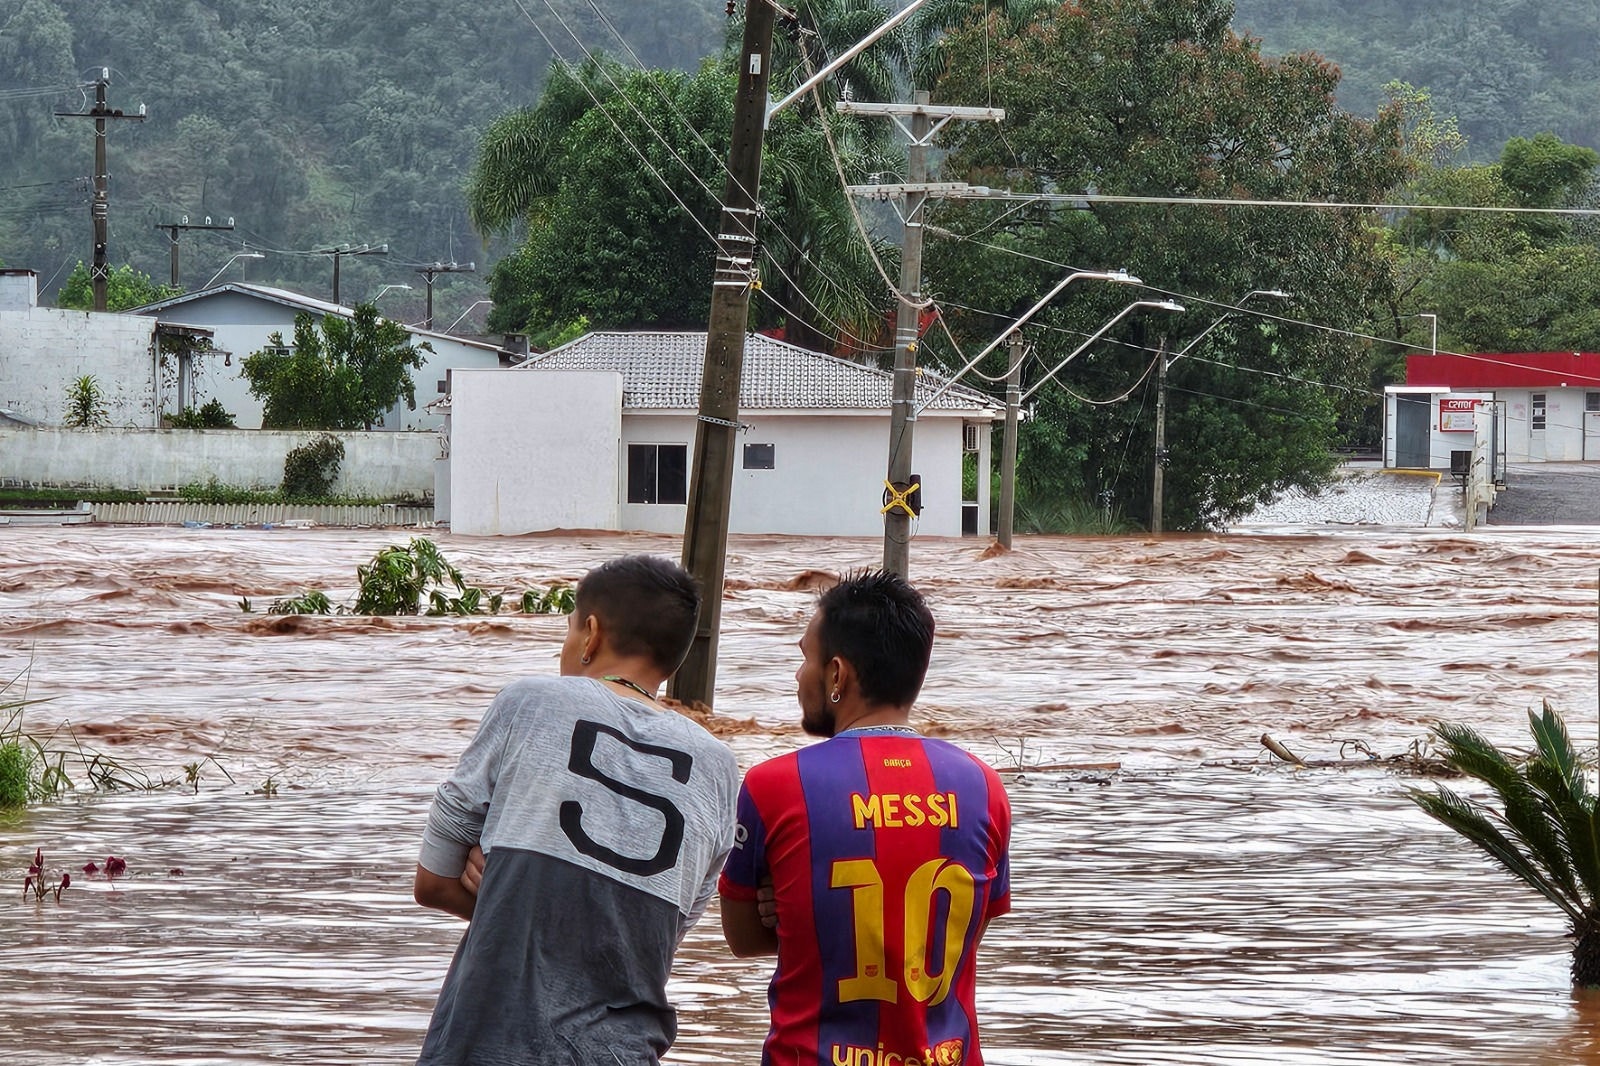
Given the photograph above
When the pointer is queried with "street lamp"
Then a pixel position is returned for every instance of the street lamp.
(1121, 277)
(1159, 305)
(386, 288)
(1157, 482)
(465, 313)
(229, 263)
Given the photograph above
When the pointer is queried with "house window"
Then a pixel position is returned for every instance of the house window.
(763, 457)
(658, 473)
(1536, 411)
(1591, 401)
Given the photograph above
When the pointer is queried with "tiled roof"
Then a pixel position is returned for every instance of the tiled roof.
(661, 371)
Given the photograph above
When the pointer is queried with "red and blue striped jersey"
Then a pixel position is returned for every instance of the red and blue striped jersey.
(888, 854)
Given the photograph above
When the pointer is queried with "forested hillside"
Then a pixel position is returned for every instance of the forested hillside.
(311, 122)
(1505, 68)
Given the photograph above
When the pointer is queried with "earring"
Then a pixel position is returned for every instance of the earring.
(585, 660)
(835, 697)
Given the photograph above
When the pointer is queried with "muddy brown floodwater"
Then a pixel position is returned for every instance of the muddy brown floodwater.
(1196, 906)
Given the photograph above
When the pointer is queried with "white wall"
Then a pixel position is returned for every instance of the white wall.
(375, 464)
(243, 325)
(828, 472)
(532, 451)
(1562, 438)
(44, 349)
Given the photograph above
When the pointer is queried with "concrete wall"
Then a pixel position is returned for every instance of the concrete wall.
(243, 325)
(532, 451)
(44, 349)
(827, 478)
(375, 464)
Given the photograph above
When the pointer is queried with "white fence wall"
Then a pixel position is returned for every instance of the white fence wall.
(43, 350)
(381, 464)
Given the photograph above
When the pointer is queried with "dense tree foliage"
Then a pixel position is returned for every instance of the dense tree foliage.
(125, 288)
(615, 179)
(1160, 97)
(1506, 68)
(338, 374)
(312, 125)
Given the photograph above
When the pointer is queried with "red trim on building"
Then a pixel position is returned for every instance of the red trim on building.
(1517, 370)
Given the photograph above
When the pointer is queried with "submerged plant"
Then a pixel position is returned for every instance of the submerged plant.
(38, 885)
(1546, 831)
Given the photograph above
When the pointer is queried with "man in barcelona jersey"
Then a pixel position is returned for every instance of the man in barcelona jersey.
(886, 852)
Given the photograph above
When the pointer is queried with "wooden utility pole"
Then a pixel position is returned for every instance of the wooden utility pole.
(339, 253)
(1156, 486)
(175, 228)
(100, 206)
(705, 529)
(1008, 448)
(901, 501)
(429, 272)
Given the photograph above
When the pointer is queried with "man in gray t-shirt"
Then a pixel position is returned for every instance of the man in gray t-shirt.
(604, 819)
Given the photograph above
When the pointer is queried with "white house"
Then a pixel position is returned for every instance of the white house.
(43, 350)
(598, 434)
(243, 318)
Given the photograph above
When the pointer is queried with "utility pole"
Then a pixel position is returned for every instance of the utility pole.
(174, 228)
(99, 208)
(705, 529)
(340, 252)
(1008, 449)
(1156, 477)
(429, 272)
(901, 500)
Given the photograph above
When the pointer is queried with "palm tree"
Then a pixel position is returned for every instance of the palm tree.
(1547, 830)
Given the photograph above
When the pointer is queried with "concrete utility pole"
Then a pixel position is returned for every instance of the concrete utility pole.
(99, 208)
(705, 528)
(174, 228)
(1156, 478)
(340, 252)
(901, 496)
(1008, 448)
(429, 272)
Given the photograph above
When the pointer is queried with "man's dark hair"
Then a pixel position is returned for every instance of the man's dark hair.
(879, 624)
(646, 604)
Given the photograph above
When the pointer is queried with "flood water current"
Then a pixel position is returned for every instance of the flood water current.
(1178, 898)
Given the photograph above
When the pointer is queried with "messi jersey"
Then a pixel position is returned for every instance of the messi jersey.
(887, 853)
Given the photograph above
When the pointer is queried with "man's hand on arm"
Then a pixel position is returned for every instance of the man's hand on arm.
(744, 929)
(448, 894)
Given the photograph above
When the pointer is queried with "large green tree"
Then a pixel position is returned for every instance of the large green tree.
(1161, 98)
(339, 373)
(1502, 282)
(614, 179)
(125, 288)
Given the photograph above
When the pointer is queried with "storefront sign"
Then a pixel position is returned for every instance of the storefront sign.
(1455, 416)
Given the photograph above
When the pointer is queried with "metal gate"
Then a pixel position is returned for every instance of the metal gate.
(1413, 425)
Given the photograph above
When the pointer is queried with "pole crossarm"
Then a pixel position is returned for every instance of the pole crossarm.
(938, 115)
(1159, 305)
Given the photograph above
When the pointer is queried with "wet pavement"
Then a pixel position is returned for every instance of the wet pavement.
(1198, 905)
(1549, 494)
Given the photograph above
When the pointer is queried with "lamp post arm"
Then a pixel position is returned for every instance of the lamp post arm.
(1103, 275)
(846, 56)
(1080, 349)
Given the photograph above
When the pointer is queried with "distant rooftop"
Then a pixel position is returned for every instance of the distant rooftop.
(661, 371)
(299, 303)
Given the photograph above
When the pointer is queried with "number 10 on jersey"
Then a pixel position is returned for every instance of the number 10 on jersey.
(871, 979)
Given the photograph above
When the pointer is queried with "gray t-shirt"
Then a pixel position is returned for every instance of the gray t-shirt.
(605, 823)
